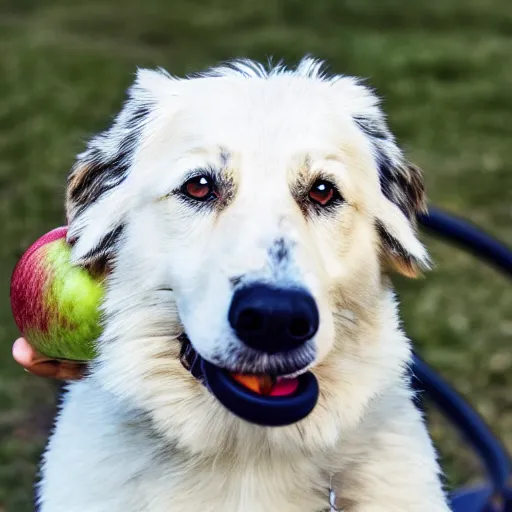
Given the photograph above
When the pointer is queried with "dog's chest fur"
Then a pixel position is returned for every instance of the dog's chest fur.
(126, 468)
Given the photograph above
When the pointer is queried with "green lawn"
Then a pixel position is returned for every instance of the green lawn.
(444, 68)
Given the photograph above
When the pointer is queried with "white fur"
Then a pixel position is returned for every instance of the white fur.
(140, 433)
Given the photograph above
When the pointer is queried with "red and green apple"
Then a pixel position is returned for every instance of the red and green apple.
(55, 304)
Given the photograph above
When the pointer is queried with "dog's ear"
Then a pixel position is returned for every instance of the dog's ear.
(95, 202)
(402, 196)
(403, 199)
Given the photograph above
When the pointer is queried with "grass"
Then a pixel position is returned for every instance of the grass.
(444, 70)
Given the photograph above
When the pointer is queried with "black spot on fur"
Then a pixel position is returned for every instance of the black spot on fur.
(391, 183)
(105, 248)
(400, 182)
(279, 251)
(235, 281)
(138, 116)
(101, 173)
(396, 254)
(391, 243)
(100, 177)
(370, 127)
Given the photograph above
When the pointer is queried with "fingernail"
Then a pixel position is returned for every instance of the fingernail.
(16, 349)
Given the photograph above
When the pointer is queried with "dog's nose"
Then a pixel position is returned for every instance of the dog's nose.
(273, 319)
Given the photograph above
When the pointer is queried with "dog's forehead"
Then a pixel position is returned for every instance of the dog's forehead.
(283, 115)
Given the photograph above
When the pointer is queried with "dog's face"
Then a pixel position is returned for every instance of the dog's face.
(262, 206)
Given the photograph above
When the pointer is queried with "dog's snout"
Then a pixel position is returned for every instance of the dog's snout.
(273, 319)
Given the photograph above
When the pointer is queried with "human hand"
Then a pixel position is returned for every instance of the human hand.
(42, 366)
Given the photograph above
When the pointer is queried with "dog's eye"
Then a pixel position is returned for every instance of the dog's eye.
(200, 188)
(323, 193)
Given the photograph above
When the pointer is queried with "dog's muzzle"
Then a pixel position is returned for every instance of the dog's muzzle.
(266, 410)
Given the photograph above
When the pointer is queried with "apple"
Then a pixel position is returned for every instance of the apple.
(54, 303)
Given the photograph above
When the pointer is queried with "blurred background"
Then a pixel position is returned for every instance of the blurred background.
(444, 68)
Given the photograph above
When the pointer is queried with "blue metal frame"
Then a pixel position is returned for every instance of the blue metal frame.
(496, 496)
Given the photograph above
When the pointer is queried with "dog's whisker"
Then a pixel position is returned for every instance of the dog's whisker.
(347, 315)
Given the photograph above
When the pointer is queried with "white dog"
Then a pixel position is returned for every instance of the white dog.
(246, 218)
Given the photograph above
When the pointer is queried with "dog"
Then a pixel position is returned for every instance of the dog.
(249, 216)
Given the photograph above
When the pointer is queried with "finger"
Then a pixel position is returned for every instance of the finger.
(49, 369)
(37, 364)
(57, 370)
(70, 371)
(25, 354)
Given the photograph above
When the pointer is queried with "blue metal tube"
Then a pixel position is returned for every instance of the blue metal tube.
(467, 236)
(493, 454)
